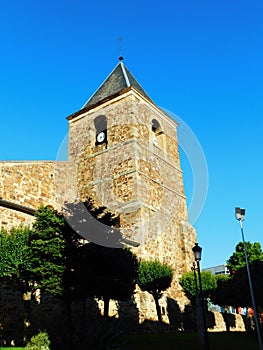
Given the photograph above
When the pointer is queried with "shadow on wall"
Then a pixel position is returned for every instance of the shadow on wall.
(230, 321)
(80, 325)
(128, 313)
(12, 311)
(175, 315)
(75, 325)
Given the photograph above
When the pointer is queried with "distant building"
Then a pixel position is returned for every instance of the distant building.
(218, 270)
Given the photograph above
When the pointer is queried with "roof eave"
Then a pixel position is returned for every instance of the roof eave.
(111, 97)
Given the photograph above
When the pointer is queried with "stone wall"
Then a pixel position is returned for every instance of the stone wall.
(30, 184)
(25, 183)
(219, 322)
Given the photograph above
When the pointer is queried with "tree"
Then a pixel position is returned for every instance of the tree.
(14, 257)
(15, 263)
(223, 294)
(46, 251)
(237, 259)
(155, 277)
(96, 270)
(107, 273)
(189, 283)
(234, 290)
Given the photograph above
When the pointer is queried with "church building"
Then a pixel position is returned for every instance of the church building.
(123, 156)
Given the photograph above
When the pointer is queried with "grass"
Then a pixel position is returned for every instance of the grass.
(188, 341)
(182, 341)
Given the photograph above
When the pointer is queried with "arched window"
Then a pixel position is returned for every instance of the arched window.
(100, 123)
(157, 134)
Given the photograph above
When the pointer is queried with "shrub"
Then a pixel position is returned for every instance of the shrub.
(39, 342)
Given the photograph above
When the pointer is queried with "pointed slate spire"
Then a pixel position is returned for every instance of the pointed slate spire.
(119, 79)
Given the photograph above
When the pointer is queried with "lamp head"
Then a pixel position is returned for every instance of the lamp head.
(197, 252)
(240, 214)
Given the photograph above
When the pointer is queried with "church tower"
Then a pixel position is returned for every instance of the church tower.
(125, 151)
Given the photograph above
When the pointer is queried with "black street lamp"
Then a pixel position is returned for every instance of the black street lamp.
(197, 250)
(240, 216)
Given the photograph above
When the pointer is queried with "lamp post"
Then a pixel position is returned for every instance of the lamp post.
(197, 250)
(240, 216)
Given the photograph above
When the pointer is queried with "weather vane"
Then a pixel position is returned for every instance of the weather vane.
(121, 57)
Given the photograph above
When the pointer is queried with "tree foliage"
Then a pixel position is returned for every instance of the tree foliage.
(107, 273)
(14, 256)
(155, 277)
(46, 249)
(234, 290)
(95, 270)
(222, 295)
(190, 283)
(237, 259)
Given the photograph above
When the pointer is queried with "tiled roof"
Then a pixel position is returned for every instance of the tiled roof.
(120, 78)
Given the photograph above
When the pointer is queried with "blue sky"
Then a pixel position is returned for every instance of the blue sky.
(202, 60)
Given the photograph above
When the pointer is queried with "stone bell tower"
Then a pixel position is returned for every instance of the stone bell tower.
(125, 150)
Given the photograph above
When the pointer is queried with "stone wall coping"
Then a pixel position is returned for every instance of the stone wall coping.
(31, 161)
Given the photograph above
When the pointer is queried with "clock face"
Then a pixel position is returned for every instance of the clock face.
(101, 137)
